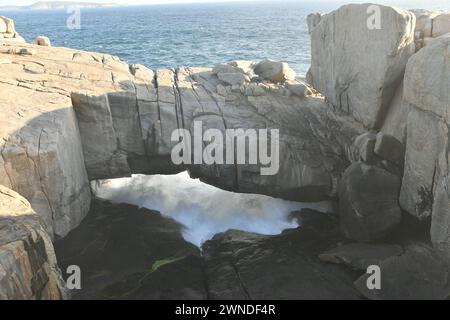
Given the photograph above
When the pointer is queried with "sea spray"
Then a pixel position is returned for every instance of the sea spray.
(203, 209)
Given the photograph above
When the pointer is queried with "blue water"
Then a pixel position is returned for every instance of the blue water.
(176, 35)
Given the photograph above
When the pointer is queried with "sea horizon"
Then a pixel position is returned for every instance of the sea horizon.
(183, 34)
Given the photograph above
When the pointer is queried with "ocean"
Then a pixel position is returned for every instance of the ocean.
(182, 35)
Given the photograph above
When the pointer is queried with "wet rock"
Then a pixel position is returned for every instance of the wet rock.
(326, 224)
(359, 256)
(242, 265)
(368, 202)
(417, 274)
(129, 253)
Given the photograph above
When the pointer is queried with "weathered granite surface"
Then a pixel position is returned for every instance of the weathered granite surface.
(358, 68)
(424, 190)
(118, 119)
(28, 268)
(377, 98)
(8, 31)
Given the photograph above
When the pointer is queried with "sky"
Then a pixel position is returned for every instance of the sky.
(407, 3)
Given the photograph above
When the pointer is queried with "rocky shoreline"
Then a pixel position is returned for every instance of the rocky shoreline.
(368, 128)
(156, 263)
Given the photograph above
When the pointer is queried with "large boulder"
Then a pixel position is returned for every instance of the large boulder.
(430, 24)
(441, 25)
(368, 205)
(8, 31)
(238, 66)
(43, 41)
(424, 22)
(358, 68)
(102, 155)
(362, 148)
(389, 148)
(382, 150)
(425, 193)
(274, 71)
(7, 25)
(299, 88)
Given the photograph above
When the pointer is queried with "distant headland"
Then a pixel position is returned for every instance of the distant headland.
(52, 5)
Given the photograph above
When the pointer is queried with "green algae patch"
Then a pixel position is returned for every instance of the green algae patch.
(160, 263)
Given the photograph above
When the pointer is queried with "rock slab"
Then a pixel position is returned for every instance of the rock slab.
(28, 268)
(358, 68)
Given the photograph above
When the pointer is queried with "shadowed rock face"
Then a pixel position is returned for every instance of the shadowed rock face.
(424, 191)
(417, 274)
(28, 264)
(242, 265)
(368, 202)
(131, 253)
(126, 252)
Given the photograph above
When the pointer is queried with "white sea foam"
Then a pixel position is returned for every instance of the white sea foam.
(204, 210)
